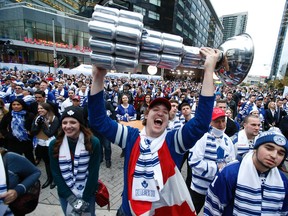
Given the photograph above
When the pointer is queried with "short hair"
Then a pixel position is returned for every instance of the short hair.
(173, 101)
(221, 101)
(183, 105)
(229, 92)
(44, 81)
(246, 119)
(40, 92)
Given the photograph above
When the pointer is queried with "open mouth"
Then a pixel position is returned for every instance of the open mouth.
(158, 122)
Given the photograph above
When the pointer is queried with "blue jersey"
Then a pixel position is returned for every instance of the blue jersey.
(221, 193)
(177, 141)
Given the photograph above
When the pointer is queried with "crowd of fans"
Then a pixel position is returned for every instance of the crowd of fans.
(241, 101)
(31, 105)
(130, 98)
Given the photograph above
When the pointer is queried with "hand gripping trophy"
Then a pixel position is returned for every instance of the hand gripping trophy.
(120, 42)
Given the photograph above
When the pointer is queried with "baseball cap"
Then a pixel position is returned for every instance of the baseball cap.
(217, 113)
(163, 101)
(259, 98)
(76, 97)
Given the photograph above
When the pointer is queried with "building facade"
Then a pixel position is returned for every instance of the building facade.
(280, 59)
(26, 29)
(234, 24)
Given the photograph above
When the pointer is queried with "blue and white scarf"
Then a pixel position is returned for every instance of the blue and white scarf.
(28, 99)
(75, 178)
(17, 125)
(148, 173)
(4, 209)
(57, 94)
(252, 196)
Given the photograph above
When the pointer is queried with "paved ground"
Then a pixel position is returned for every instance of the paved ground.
(113, 179)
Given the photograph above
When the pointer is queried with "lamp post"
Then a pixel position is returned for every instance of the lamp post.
(54, 50)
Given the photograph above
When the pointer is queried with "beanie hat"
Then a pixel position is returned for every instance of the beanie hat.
(73, 112)
(272, 137)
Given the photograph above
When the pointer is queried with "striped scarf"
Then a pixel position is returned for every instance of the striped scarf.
(75, 178)
(17, 125)
(242, 144)
(245, 110)
(148, 174)
(4, 209)
(28, 99)
(57, 94)
(252, 196)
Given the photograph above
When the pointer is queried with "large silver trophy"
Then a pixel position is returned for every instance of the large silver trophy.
(120, 42)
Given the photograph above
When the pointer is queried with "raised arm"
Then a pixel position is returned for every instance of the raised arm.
(98, 75)
(212, 56)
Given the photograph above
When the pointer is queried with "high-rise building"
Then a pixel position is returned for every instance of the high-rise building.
(234, 24)
(280, 59)
(194, 20)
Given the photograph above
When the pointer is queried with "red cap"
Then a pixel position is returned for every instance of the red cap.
(76, 97)
(217, 112)
(163, 101)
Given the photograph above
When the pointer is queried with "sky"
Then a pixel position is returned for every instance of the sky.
(264, 19)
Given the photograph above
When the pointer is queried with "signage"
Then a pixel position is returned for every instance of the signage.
(58, 45)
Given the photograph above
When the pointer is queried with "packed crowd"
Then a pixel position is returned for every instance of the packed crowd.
(216, 131)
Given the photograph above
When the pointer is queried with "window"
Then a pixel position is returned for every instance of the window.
(153, 15)
(194, 6)
(192, 16)
(139, 10)
(155, 2)
(181, 3)
(40, 26)
(187, 22)
(180, 15)
(185, 32)
(179, 27)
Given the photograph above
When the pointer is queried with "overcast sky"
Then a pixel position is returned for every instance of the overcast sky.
(264, 19)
